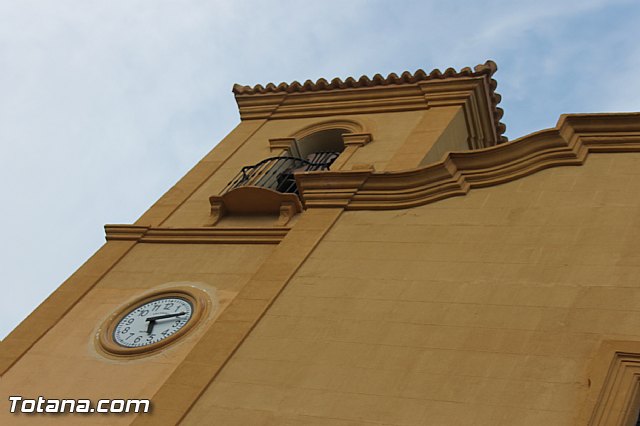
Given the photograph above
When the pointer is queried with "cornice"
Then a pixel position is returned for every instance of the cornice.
(204, 235)
(488, 69)
(568, 144)
(393, 93)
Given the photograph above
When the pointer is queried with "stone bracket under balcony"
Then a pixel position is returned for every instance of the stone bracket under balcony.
(253, 200)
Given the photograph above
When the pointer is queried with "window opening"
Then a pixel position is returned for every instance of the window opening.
(314, 152)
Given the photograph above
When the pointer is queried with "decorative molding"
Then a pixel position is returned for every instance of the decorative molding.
(407, 92)
(354, 101)
(218, 210)
(204, 235)
(288, 209)
(353, 138)
(276, 144)
(363, 166)
(352, 126)
(330, 188)
(488, 69)
(568, 144)
(125, 232)
(356, 139)
(352, 142)
(614, 381)
(253, 200)
(484, 128)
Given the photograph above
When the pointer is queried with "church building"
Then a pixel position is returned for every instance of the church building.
(362, 252)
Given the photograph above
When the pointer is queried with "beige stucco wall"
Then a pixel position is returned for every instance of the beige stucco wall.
(455, 137)
(65, 363)
(485, 309)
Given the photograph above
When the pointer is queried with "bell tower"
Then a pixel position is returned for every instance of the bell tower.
(366, 250)
(223, 243)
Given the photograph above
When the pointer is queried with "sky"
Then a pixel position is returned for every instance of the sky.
(104, 105)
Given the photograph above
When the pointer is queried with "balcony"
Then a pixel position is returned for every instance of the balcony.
(268, 187)
(277, 173)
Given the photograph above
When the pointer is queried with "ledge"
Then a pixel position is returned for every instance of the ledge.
(208, 235)
(253, 200)
(568, 144)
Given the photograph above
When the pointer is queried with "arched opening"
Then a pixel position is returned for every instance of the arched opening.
(315, 151)
(324, 141)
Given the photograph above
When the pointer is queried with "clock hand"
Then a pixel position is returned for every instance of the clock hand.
(158, 317)
(150, 326)
(152, 320)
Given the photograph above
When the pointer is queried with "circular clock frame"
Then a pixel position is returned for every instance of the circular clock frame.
(199, 304)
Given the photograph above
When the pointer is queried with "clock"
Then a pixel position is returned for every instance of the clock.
(152, 322)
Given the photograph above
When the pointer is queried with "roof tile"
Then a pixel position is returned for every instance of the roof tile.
(486, 69)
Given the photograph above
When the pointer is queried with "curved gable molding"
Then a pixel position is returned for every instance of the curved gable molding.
(568, 144)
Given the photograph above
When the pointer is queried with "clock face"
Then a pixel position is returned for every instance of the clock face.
(152, 322)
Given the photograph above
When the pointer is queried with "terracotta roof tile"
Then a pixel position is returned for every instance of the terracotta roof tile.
(486, 69)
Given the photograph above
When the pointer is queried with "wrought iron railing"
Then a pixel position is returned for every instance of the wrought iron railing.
(276, 173)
